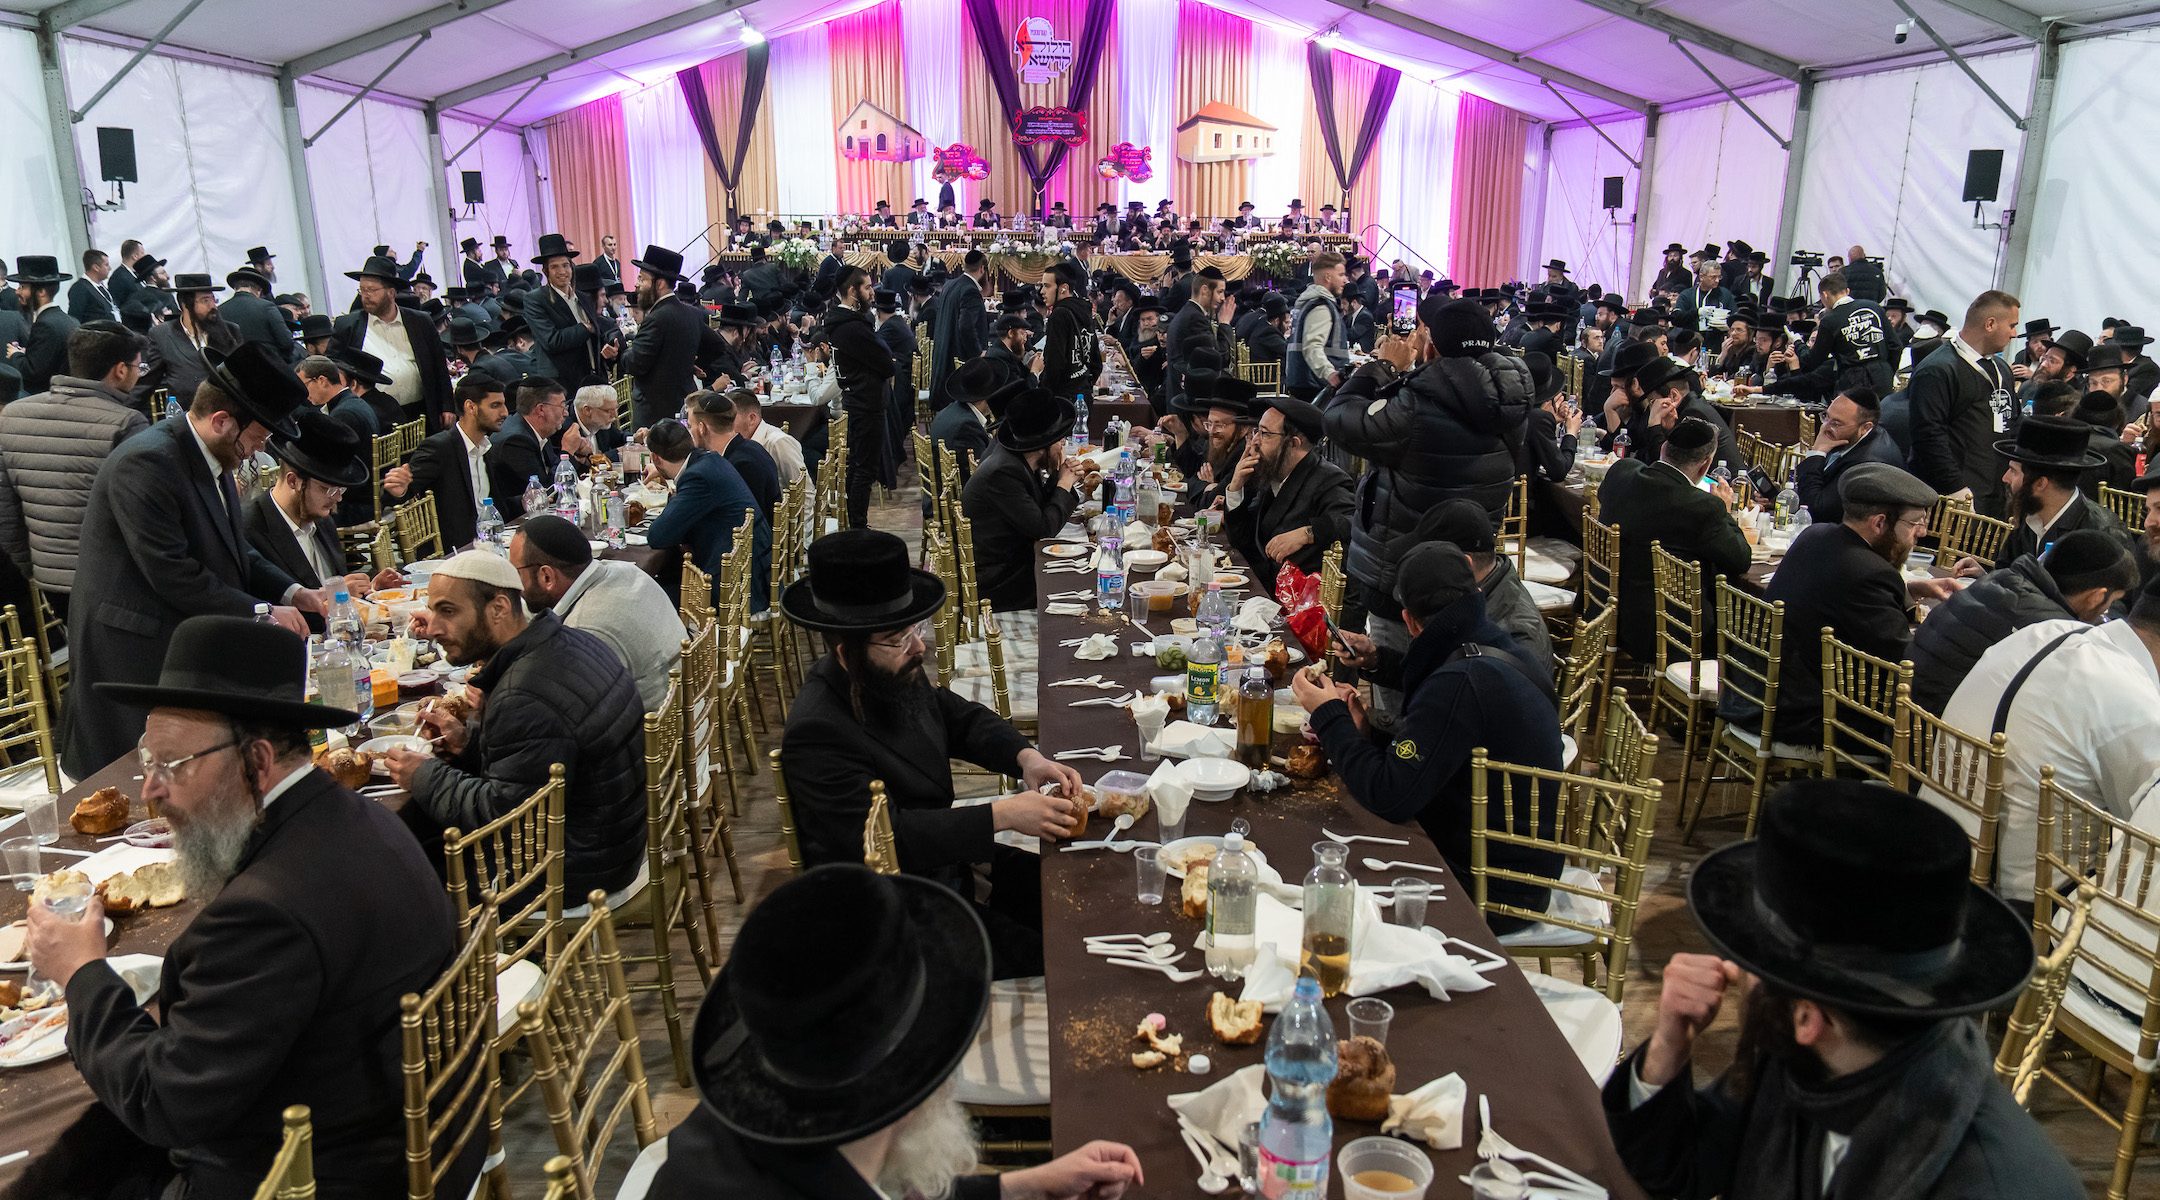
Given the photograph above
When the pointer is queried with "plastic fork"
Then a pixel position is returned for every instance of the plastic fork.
(1176, 976)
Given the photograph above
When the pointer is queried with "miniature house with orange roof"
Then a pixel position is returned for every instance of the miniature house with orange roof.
(1221, 133)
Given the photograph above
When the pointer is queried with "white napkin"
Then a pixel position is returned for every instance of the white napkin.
(1433, 1113)
(1382, 956)
(1065, 610)
(1168, 792)
(1172, 572)
(1138, 535)
(1149, 713)
(1183, 739)
(141, 972)
(1225, 1107)
(1097, 647)
(1257, 613)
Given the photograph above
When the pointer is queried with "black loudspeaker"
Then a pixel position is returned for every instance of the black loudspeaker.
(1983, 174)
(116, 154)
(1612, 191)
(473, 191)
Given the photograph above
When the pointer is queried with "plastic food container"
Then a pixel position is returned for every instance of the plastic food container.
(1119, 792)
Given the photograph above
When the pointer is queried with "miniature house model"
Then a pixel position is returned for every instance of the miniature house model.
(872, 133)
(1220, 133)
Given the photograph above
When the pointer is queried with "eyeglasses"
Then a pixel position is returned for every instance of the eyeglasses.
(161, 773)
(1214, 426)
(1269, 433)
(1918, 525)
(918, 634)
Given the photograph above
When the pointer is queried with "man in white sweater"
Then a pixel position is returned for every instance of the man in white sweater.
(614, 601)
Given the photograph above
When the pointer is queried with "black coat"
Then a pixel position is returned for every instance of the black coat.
(1655, 503)
(1958, 414)
(708, 1161)
(506, 367)
(44, 352)
(1865, 277)
(1958, 632)
(283, 990)
(554, 695)
(1071, 357)
(356, 416)
(1192, 330)
(899, 338)
(1317, 494)
(2081, 513)
(958, 428)
(158, 547)
(172, 362)
(758, 470)
(1854, 339)
(1269, 345)
(961, 333)
(350, 331)
(862, 362)
(268, 532)
(86, 303)
(1816, 478)
(562, 348)
(662, 359)
(2118, 466)
(1011, 510)
(517, 453)
(264, 323)
(439, 466)
(898, 279)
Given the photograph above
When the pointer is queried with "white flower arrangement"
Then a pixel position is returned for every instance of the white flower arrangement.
(798, 253)
(1278, 260)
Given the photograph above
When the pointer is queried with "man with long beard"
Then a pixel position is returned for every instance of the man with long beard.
(1219, 406)
(868, 712)
(1024, 490)
(2046, 457)
(1285, 504)
(319, 912)
(670, 342)
(1859, 1071)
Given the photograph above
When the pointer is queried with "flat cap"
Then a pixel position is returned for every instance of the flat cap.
(1881, 483)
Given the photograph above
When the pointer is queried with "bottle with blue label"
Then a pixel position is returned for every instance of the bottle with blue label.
(1297, 1132)
(1110, 574)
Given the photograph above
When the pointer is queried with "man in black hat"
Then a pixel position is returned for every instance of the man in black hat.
(919, 215)
(1662, 502)
(2026, 361)
(364, 375)
(900, 274)
(249, 311)
(572, 339)
(324, 380)
(1148, 352)
(672, 339)
(1962, 399)
(863, 363)
(316, 334)
(164, 539)
(403, 339)
(2118, 469)
(977, 402)
(867, 711)
(1071, 357)
(467, 341)
(175, 360)
(1674, 277)
(2144, 373)
(1751, 279)
(898, 338)
(1857, 1072)
(293, 522)
(1850, 434)
(43, 353)
(986, 214)
(1010, 353)
(284, 988)
(1284, 503)
(2062, 360)
(714, 287)
(1609, 317)
(2046, 457)
(790, 1113)
(1022, 492)
(963, 326)
(502, 268)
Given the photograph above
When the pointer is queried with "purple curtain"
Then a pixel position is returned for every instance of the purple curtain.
(693, 90)
(1320, 64)
(1087, 59)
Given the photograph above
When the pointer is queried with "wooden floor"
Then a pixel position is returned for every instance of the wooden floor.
(1664, 928)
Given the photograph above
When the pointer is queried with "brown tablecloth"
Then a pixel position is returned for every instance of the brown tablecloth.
(795, 418)
(1101, 412)
(1499, 1040)
(1779, 423)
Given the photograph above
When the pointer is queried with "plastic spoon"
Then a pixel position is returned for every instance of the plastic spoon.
(1347, 838)
(1210, 1181)
(1154, 954)
(1176, 976)
(1374, 864)
(1145, 939)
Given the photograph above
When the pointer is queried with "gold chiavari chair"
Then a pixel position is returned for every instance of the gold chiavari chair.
(2111, 1008)
(1266, 376)
(737, 696)
(1514, 537)
(387, 451)
(25, 717)
(382, 552)
(2128, 507)
(419, 533)
(788, 836)
(784, 651)
(584, 1044)
(696, 602)
(964, 569)
(562, 1181)
(1751, 641)
(292, 1172)
(49, 630)
(712, 825)
(1598, 826)
(1967, 534)
(705, 715)
(1332, 581)
(1748, 445)
(1686, 686)
(1954, 768)
(927, 478)
(625, 402)
(410, 435)
(1629, 749)
(1807, 432)
(1859, 699)
(450, 1039)
(2031, 1027)
(945, 622)
(1582, 678)
(1600, 566)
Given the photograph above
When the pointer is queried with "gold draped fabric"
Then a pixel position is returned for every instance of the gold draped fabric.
(985, 126)
(757, 187)
(1353, 88)
(1485, 226)
(865, 56)
(1214, 63)
(1147, 268)
(589, 163)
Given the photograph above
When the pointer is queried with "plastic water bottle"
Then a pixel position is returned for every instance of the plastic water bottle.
(1203, 678)
(1296, 1133)
(1121, 501)
(617, 533)
(1330, 898)
(172, 409)
(1147, 497)
(1213, 614)
(776, 362)
(1788, 503)
(1080, 421)
(536, 497)
(1110, 574)
(1233, 894)
(1620, 443)
(489, 526)
(566, 499)
(262, 615)
(343, 625)
(335, 681)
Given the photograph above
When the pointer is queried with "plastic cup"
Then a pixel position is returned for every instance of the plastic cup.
(1151, 727)
(42, 815)
(1370, 1018)
(1136, 602)
(1168, 831)
(1384, 1168)
(22, 861)
(1149, 868)
(1410, 898)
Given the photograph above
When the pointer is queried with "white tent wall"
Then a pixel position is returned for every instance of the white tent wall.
(667, 172)
(506, 176)
(1886, 168)
(1718, 177)
(2085, 256)
(208, 154)
(1578, 230)
(370, 176)
(34, 221)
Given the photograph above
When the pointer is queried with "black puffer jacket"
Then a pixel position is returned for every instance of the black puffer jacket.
(554, 695)
(1445, 431)
(861, 360)
(1956, 634)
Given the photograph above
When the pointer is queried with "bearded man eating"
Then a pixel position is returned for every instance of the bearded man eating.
(319, 912)
(869, 711)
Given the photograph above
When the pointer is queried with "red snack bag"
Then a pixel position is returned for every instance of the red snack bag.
(1299, 595)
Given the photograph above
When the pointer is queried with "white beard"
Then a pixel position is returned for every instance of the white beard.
(209, 849)
(934, 1147)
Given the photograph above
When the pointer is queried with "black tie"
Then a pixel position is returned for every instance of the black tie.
(230, 494)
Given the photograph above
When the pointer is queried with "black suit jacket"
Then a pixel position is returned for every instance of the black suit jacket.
(961, 333)
(283, 990)
(563, 349)
(2082, 513)
(673, 338)
(86, 303)
(1830, 577)
(957, 428)
(273, 538)
(1011, 510)
(44, 352)
(517, 453)
(158, 547)
(258, 320)
(1191, 330)
(438, 466)
(1317, 494)
(172, 362)
(1655, 503)
(1816, 478)
(350, 331)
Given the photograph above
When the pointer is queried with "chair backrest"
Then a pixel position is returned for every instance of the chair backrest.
(1514, 536)
(584, 1044)
(1859, 699)
(388, 451)
(1332, 581)
(1596, 824)
(696, 605)
(702, 717)
(419, 533)
(787, 812)
(1629, 750)
(1748, 445)
(517, 857)
(1584, 674)
(1751, 637)
(292, 1172)
(998, 691)
(447, 1037)
(2128, 507)
(410, 435)
(2081, 842)
(1600, 566)
(1678, 623)
(2026, 1035)
(1964, 532)
(1267, 375)
(1951, 764)
(25, 717)
(51, 631)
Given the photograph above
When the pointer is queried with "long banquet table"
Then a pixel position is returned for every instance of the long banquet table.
(1500, 1040)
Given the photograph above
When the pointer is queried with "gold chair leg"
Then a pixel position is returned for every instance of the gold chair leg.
(2133, 1132)
(726, 833)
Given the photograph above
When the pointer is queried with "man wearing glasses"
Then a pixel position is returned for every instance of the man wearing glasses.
(292, 523)
(523, 449)
(1284, 504)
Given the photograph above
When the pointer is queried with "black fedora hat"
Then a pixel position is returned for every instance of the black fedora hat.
(553, 245)
(469, 245)
(1898, 304)
(38, 268)
(501, 242)
(1299, 416)
(1675, 248)
(1612, 301)
(235, 666)
(1219, 389)
(464, 331)
(2108, 356)
(1035, 419)
(327, 450)
(1860, 897)
(1544, 378)
(586, 277)
(977, 381)
(1557, 264)
(1629, 360)
(248, 276)
(741, 316)
(1935, 317)
(1709, 250)
(660, 261)
(359, 364)
(376, 267)
(2130, 337)
(184, 284)
(262, 384)
(315, 326)
(2040, 327)
(145, 268)
(815, 1059)
(2051, 442)
(859, 581)
(260, 254)
(2075, 344)
(1662, 371)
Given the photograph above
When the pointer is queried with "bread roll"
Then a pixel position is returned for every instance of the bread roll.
(348, 766)
(1364, 1078)
(151, 885)
(1306, 762)
(1235, 1022)
(103, 811)
(1192, 898)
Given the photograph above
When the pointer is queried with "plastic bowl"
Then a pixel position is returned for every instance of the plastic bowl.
(153, 834)
(1395, 1159)
(1145, 560)
(1214, 774)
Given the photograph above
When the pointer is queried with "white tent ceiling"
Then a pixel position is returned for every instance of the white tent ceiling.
(1605, 54)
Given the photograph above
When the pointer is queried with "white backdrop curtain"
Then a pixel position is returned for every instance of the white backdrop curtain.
(370, 176)
(1279, 98)
(934, 36)
(537, 168)
(2083, 262)
(1577, 227)
(507, 179)
(667, 170)
(798, 86)
(1886, 158)
(34, 220)
(1416, 161)
(1718, 178)
(1147, 68)
(1532, 242)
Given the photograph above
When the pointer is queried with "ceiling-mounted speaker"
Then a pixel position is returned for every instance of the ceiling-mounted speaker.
(474, 192)
(1983, 175)
(116, 154)
(1612, 191)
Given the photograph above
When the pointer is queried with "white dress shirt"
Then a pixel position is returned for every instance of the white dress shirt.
(786, 451)
(476, 466)
(577, 310)
(2040, 525)
(325, 573)
(388, 341)
(284, 785)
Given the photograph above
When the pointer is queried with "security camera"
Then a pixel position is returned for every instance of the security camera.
(1903, 29)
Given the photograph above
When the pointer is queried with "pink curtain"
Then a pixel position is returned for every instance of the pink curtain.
(1485, 229)
(589, 166)
(1214, 64)
(865, 49)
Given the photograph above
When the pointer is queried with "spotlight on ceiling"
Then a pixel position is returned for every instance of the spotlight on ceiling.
(751, 37)
(1332, 36)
